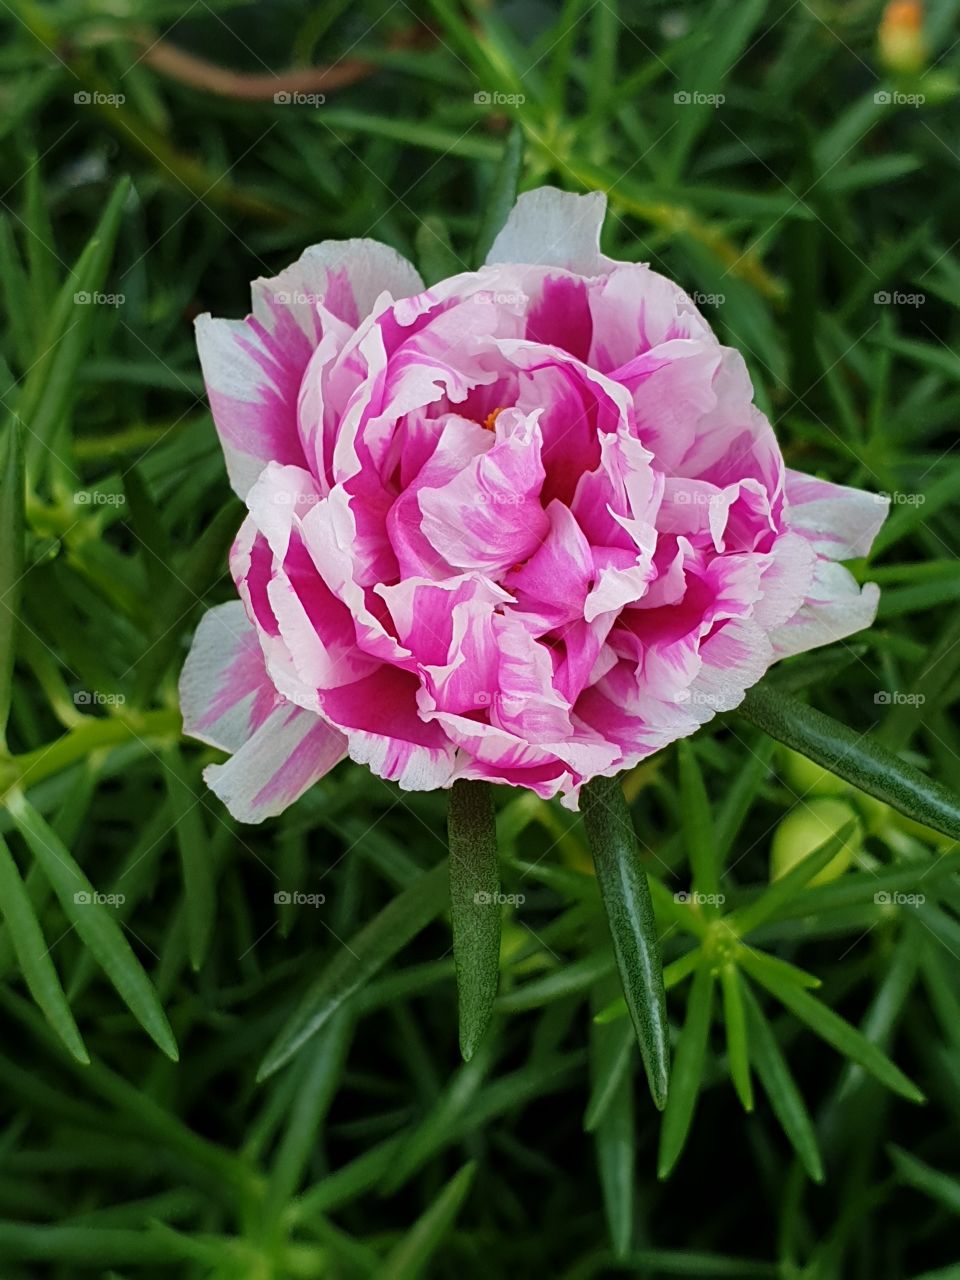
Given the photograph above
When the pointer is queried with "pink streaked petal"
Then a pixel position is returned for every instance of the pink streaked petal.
(635, 309)
(576, 405)
(225, 694)
(527, 704)
(345, 276)
(564, 557)
(560, 317)
(385, 731)
(489, 516)
(290, 751)
(457, 442)
(841, 523)
(329, 532)
(733, 658)
(317, 631)
(252, 380)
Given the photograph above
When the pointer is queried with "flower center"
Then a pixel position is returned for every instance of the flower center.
(489, 422)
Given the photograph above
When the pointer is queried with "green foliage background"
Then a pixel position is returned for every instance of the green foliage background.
(148, 970)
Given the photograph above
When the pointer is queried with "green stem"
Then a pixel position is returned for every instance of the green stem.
(32, 767)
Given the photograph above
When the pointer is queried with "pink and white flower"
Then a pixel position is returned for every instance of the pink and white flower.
(524, 526)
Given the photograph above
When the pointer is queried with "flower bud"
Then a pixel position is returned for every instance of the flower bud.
(805, 777)
(903, 49)
(807, 827)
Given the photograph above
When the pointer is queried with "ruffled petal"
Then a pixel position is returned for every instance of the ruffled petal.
(290, 751)
(554, 228)
(225, 693)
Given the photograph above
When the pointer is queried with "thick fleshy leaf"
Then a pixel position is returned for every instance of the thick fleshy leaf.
(857, 758)
(474, 907)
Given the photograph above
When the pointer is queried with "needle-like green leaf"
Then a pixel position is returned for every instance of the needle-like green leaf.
(33, 953)
(11, 558)
(687, 1071)
(93, 921)
(358, 960)
(626, 897)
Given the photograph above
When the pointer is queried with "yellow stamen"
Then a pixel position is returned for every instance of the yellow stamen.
(489, 422)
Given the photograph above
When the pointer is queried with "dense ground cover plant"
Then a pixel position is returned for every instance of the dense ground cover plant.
(232, 1051)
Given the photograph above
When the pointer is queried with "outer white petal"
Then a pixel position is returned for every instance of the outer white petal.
(225, 693)
(835, 607)
(335, 272)
(839, 521)
(289, 752)
(554, 228)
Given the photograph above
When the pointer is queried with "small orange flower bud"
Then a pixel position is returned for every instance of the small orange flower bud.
(900, 37)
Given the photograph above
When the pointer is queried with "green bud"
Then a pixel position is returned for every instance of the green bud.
(807, 827)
